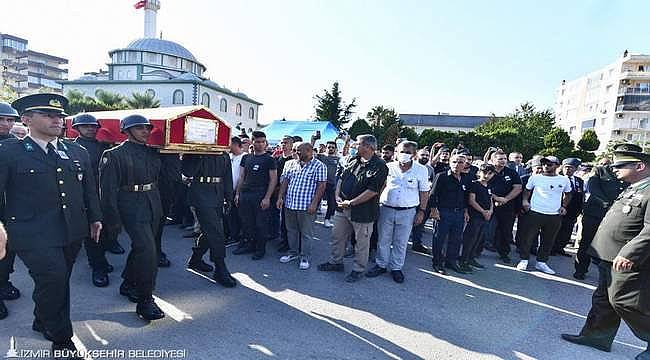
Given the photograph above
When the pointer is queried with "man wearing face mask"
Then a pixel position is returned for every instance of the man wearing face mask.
(403, 204)
(418, 230)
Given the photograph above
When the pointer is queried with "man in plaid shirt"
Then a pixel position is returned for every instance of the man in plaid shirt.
(303, 184)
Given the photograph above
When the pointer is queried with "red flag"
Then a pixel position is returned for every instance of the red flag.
(140, 4)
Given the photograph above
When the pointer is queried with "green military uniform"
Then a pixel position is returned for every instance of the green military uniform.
(624, 232)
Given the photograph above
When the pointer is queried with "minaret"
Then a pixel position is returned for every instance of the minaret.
(150, 12)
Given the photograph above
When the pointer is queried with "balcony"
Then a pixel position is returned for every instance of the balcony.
(634, 91)
(635, 75)
(636, 125)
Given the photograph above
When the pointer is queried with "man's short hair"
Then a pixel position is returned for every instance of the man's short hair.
(498, 152)
(388, 147)
(409, 144)
(331, 143)
(486, 168)
(458, 156)
(236, 140)
(297, 138)
(288, 138)
(258, 134)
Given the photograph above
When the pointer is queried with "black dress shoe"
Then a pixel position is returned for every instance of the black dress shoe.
(579, 275)
(9, 292)
(466, 268)
(505, 259)
(398, 276)
(243, 249)
(454, 267)
(65, 351)
(420, 249)
(222, 275)
(100, 278)
(230, 241)
(148, 310)
(489, 247)
(3, 310)
(376, 271)
(331, 267)
(163, 261)
(116, 249)
(439, 269)
(258, 255)
(475, 264)
(200, 266)
(587, 341)
(38, 327)
(354, 276)
(130, 291)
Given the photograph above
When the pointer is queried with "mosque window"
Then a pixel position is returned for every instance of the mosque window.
(178, 97)
(223, 105)
(152, 58)
(205, 100)
(238, 110)
(170, 61)
(251, 113)
(132, 57)
(187, 65)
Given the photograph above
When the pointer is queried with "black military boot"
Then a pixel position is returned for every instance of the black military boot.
(3, 310)
(116, 248)
(9, 292)
(222, 275)
(100, 278)
(148, 310)
(196, 261)
(129, 290)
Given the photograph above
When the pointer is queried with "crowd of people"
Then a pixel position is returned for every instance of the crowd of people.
(256, 196)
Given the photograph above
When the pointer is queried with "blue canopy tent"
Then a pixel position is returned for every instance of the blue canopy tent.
(303, 128)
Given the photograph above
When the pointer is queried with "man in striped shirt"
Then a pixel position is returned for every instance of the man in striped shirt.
(303, 184)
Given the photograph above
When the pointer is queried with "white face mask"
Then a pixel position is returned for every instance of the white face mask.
(404, 158)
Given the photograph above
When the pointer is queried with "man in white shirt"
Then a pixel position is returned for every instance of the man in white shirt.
(233, 220)
(545, 201)
(403, 203)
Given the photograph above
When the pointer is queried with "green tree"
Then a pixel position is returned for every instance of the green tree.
(529, 125)
(109, 100)
(558, 143)
(382, 119)
(142, 101)
(331, 107)
(78, 102)
(359, 127)
(390, 135)
(7, 94)
(589, 141)
(409, 133)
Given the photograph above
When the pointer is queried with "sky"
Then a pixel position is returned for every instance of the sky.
(416, 56)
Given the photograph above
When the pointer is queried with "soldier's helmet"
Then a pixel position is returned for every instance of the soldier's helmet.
(133, 120)
(84, 119)
(7, 110)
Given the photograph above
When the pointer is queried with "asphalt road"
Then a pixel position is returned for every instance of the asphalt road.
(279, 311)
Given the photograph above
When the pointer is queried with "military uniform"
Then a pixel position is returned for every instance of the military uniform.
(624, 232)
(129, 194)
(210, 185)
(603, 188)
(7, 290)
(51, 199)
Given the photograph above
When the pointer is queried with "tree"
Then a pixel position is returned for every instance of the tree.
(558, 143)
(528, 123)
(589, 141)
(142, 101)
(390, 135)
(359, 127)
(409, 133)
(109, 100)
(331, 107)
(78, 102)
(7, 94)
(382, 119)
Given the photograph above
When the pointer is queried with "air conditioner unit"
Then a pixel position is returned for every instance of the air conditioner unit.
(620, 116)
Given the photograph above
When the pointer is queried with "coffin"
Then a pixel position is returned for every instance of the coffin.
(181, 129)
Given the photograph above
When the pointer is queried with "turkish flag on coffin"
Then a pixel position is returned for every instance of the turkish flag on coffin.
(140, 4)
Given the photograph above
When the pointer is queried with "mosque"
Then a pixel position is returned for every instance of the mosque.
(169, 72)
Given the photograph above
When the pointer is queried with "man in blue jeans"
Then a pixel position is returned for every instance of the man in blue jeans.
(449, 207)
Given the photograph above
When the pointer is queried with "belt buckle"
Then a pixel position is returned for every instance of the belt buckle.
(208, 179)
(146, 187)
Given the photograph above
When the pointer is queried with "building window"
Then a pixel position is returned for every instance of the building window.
(223, 105)
(170, 61)
(132, 57)
(572, 129)
(178, 97)
(251, 113)
(151, 58)
(238, 110)
(205, 100)
(151, 93)
(187, 66)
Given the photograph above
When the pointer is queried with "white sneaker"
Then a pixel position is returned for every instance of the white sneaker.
(288, 258)
(541, 266)
(304, 263)
(523, 265)
(328, 224)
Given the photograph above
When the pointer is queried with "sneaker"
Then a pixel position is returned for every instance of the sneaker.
(328, 224)
(330, 267)
(288, 258)
(304, 263)
(523, 265)
(541, 266)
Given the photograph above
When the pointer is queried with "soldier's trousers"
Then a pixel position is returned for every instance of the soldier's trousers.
(97, 251)
(142, 263)
(212, 236)
(589, 227)
(50, 269)
(619, 295)
(6, 267)
(563, 236)
(255, 221)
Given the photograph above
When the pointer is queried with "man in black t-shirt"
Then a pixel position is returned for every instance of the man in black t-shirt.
(256, 186)
(287, 154)
(506, 186)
